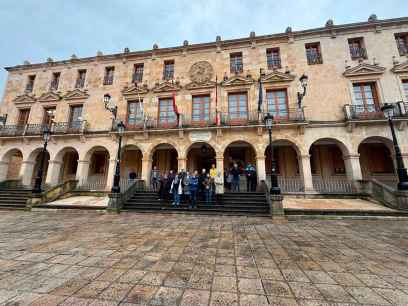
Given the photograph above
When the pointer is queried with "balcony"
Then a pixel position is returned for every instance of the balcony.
(274, 63)
(314, 59)
(108, 80)
(358, 53)
(54, 85)
(363, 112)
(403, 49)
(60, 128)
(237, 68)
(137, 77)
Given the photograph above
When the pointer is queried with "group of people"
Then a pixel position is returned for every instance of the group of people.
(232, 177)
(185, 187)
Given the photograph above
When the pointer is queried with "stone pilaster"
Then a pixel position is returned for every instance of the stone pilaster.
(53, 172)
(306, 172)
(220, 168)
(146, 170)
(82, 171)
(26, 172)
(111, 173)
(3, 170)
(182, 163)
(353, 168)
(260, 168)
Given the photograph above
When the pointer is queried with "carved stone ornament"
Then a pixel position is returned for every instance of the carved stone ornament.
(201, 72)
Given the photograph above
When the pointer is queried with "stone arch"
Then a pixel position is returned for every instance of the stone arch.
(327, 157)
(90, 151)
(164, 156)
(376, 158)
(97, 159)
(167, 142)
(12, 160)
(67, 163)
(286, 155)
(35, 157)
(131, 161)
(200, 155)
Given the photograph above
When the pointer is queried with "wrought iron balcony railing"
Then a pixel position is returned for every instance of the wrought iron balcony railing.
(237, 68)
(314, 59)
(80, 83)
(363, 112)
(74, 127)
(29, 88)
(108, 80)
(137, 77)
(274, 63)
(358, 52)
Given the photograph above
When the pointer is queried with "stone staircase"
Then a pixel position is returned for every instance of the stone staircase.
(14, 198)
(242, 204)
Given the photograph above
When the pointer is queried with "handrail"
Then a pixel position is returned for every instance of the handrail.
(116, 201)
(55, 192)
(10, 184)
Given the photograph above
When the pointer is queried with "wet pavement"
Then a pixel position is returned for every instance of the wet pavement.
(60, 258)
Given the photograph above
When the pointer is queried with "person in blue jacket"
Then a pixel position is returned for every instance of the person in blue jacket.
(193, 189)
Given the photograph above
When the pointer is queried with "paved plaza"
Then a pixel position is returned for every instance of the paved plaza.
(60, 258)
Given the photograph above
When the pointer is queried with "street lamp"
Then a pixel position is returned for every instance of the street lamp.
(303, 82)
(120, 127)
(388, 110)
(274, 179)
(38, 180)
(109, 105)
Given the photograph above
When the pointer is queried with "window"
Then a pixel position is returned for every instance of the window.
(277, 103)
(23, 116)
(273, 58)
(30, 83)
(138, 73)
(357, 49)
(55, 80)
(313, 54)
(405, 86)
(402, 43)
(365, 98)
(201, 109)
(166, 112)
(80, 82)
(168, 72)
(135, 113)
(108, 79)
(236, 65)
(237, 106)
(75, 118)
(49, 114)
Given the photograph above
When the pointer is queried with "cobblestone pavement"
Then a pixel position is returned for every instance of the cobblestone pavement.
(143, 259)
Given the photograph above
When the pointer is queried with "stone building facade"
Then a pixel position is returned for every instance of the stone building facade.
(336, 137)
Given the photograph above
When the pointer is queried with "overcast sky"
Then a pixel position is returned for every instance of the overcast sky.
(36, 29)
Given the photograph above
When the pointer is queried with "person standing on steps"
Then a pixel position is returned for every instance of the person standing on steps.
(235, 172)
(155, 177)
(193, 189)
(177, 189)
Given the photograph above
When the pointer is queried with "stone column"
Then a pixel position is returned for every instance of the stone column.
(306, 172)
(82, 171)
(353, 168)
(26, 172)
(53, 172)
(146, 170)
(182, 163)
(3, 170)
(220, 168)
(260, 168)
(111, 173)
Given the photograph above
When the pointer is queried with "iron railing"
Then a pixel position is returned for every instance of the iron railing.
(108, 80)
(137, 77)
(358, 52)
(241, 118)
(288, 184)
(80, 83)
(33, 129)
(73, 127)
(363, 112)
(332, 184)
(274, 62)
(93, 183)
(314, 58)
(236, 67)
(12, 130)
(29, 87)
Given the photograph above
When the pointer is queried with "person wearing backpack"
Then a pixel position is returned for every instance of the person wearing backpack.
(193, 189)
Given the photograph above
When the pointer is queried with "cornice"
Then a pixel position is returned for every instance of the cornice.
(330, 29)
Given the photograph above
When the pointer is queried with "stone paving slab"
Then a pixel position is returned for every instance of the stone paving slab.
(91, 201)
(145, 259)
(333, 204)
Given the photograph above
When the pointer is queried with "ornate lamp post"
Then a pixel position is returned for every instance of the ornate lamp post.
(120, 128)
(274, 179)
(38, 179)
(388, 110)
(303, 82)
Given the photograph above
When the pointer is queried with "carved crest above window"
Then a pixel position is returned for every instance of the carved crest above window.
(167, 86)
(363, 69)
(238, 80)
(400, 68)
(25, 98)
(49, 97)
(76, 94)
(201, 72)
(277, 76)
(134, 90)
